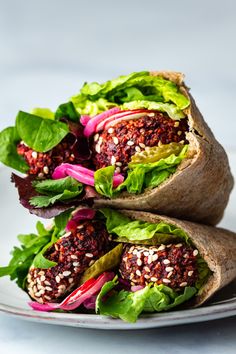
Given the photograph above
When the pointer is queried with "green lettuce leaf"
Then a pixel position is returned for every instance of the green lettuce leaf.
(39, 133)
(55, 190)
(137, 230)
(203, 273)
(139, 176)
(9, 138)
(32, 247)
(136, 90)
(129, 305)
(107, 262)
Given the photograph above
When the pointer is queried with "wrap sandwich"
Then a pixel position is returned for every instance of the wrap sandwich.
(122, 263)
(136, 142)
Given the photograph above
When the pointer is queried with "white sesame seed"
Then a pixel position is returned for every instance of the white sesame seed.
(142, 145)
(131, 249)
(149, 259)
(113, 160)
(138, 272)
(166, 261)
(154, 257)
(89, 255)
(176, 124)
(183, 284)
(115, 140)
(147, 269)
(117, 170)
(79, 227)
(34, 155)
(48, 288)
(58, 279)
(71, 280)
(179, 132)
(153, 279)
(135, 251)
(42, 278)
(151, 114)
(73, 256)
(185, 255)
(40, 175)
(111, 130)
(138, 254)
(131, 275)
(46, 170)
(38, 294)
(100, 140)
(61, 276)
(47, 283)
(169, 274)
(151, 252)
(91, 262)
(168, 246)
(146, 276)
(130, 143)
(167, 281)
(179, 245)
(97, 148)
(66, 273)
(72, 155)
(137, 148)
(146, 253)
(67, 234)
(195, 253)
(161, 248)
(35, 289)
(62, 287)
(169, 269)
(96, 136)
(190, 273)
(139, 262)
(76, 264)
(38, 281)
(47, 297)
(118, 163)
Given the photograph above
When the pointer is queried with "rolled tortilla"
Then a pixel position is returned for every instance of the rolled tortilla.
(199, 189)
(217, 247)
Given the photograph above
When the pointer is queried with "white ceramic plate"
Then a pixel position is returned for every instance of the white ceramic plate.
(15, 219)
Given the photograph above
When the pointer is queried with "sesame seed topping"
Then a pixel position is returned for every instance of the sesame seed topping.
(137, 148)
(131, 275)
(42, 278)
(153, 279)
(96, 136)
(138, 254)
(47, 297)
(98, 149)
(142, 145)
(138, 272)
(34, 155)
(183, 284)
(161, 248)
(48, 288)
(47, 283)
(117, 169)
(111, 130)
(66, 273)
(167, 281)
(40, 175)
(169, 269)
(73, 256)
(146, 276)
(149, 259)
(71, 280)
(151, 252)
(89, 255)
(115, 140)
(176, 124)
(130, 143)
(146, 253)
(91, 262)
(179, 132)
(195, 253)
(100, 140)
(154, 257)
(166, 261)
(76, 264)
(169, 274)
(46, 170)
(179, 245)
(147, 269)
(118, 163)
(113, 160)
(139, 262)
(58, 279)
(151, 114)
(190, 273)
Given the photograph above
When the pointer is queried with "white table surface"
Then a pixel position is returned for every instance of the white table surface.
(48, 48)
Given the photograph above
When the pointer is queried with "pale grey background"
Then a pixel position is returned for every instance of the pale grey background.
(49, 48)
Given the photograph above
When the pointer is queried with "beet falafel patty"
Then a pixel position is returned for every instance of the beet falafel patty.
(73, 253)
(174, 265)
(43, 164)
(116, 145)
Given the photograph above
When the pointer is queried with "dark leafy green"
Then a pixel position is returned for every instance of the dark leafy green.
(67, 110)
(30, 252)
(55, 190)
(39, 133)
(9, 138)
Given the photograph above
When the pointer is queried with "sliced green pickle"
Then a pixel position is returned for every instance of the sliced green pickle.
(156, 153)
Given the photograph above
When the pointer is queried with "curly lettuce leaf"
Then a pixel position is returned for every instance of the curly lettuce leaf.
(43, 112)
(9, 138)
(138, 89)
(137, 230)
(129, 305)
(139, 176)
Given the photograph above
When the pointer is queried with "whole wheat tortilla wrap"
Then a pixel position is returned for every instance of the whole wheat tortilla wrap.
(217, 247)
(199, 189)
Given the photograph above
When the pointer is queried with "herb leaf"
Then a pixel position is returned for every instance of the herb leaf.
(67, 110)
(39, 133)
